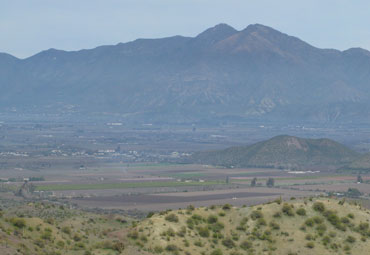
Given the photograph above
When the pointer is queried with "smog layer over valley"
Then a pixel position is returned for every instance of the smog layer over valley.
(232, 128)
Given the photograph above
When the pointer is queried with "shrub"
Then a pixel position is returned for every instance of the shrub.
(321, 228)
(18, 222)
(309, 222)
(235, 236)
(66, 230)
(198, 243)
(40, 243)
(197, 217)
(77, 237)
(172, 218)
(170, 232)
(228, 242)
(244, 221)
(287, 210)
(143, 238)
(190, 208)
(46, 235)
(216, 252)
(309, 237)
(50, 221)
(212, 219)
(182, 231)
(60, 244)
(310, 245)
(319, 207)
(351, 216)
(350, 239)
(332, 234)
(172, 247)
(345, 220)
(203, 231)
(241, 228)
(119, 246)
(216, 227)
(318, 220)
(278, 200)
(190, 223)
(256, 215)
(334, 246)
(333, 218)
(274, 225)
(133, 234)
(326, 240)
(150, 214)
(246, 245)
(158, 249)
(301, 212)
(261, 222)
(277, 215)
(222, 214)
(226, 207)
(363, 227)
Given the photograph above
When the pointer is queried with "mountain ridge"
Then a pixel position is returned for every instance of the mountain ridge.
(257, 73)
(357, 49)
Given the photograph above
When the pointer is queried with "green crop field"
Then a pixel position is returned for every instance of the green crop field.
(102, 186)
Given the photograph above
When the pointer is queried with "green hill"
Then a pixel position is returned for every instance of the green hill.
(281, 152)
(361, 164)
(324, 226)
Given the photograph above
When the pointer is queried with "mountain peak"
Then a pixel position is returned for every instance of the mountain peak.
(217, 33)
(257, 26)
(220, 28)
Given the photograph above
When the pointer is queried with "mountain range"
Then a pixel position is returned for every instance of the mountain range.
(286, 152)
(257, 73)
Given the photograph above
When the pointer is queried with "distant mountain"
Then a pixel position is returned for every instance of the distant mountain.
(281, 152)
(222, 74)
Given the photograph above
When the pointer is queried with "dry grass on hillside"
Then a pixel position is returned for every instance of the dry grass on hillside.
(322, 226)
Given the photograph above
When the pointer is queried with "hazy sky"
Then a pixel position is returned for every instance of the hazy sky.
(30, 26)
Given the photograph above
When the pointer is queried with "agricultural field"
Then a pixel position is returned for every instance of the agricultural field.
(160, 186)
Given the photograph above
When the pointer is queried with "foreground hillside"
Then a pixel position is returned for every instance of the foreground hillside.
(311, 226)
(323, 226)
(48, 229)
(257, 73)
(281, 152)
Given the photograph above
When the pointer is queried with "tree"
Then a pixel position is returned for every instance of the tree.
(352, 192)
(254, 182)
(270, 182)
(359, 179)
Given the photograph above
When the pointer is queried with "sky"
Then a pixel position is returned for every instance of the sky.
(30, 26)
